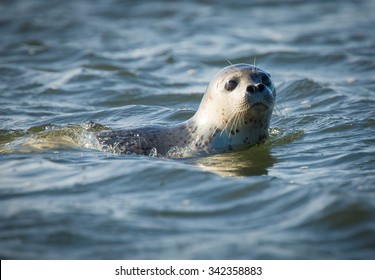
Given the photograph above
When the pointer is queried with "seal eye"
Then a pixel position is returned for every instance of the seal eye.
(231, 85)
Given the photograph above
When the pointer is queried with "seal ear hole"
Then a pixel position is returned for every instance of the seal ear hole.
(231, 85)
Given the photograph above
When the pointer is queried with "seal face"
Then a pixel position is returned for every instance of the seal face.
(234, 114)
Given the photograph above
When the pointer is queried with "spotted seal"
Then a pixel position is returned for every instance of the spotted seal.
(234, 114)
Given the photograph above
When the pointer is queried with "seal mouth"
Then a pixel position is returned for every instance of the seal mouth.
(259, 105)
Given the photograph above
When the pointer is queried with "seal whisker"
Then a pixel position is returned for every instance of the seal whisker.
(233, 115)
(256, 67)
(229, 121)
(234, 66)
(238, 120)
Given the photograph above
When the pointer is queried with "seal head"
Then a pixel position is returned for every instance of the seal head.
(236, 109)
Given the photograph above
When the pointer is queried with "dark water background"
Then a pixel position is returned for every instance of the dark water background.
(309, 193)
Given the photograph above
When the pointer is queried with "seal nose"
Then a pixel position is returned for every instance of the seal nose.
(260, 87)
(251, 89)
(254, 88)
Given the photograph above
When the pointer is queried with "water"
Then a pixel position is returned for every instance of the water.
(69, 67)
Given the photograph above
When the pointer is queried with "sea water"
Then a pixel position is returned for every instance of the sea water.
(71, 67)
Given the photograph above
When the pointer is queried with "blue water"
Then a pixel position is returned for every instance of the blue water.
(71, 67)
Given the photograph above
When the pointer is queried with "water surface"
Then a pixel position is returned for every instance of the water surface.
(68, 67)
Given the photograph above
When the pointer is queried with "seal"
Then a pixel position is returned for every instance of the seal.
(234, 114)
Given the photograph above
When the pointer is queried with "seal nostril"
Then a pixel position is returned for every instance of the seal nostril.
(260, 87)
(251, 89)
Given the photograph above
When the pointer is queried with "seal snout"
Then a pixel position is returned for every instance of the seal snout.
(258, 96)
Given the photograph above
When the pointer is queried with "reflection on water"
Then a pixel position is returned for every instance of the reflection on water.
(251, 162)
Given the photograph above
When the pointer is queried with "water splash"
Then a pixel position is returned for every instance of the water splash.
(49, 137)
(153, 152)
